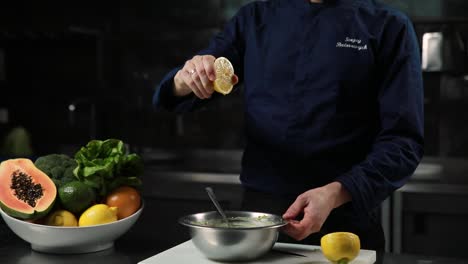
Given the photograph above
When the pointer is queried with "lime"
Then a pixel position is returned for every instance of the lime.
(98, 214)
(76, 196)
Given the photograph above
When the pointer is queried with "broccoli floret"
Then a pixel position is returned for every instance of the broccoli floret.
(59, 167)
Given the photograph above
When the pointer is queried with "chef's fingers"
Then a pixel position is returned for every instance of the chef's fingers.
(300, 229)
(197, 79)
(296, 208)
(187, 72)
(194, 81)
(188, 81)
(207, 85)
(208, 62)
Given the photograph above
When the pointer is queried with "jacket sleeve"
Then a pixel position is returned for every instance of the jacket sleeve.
(398, 147)
(228, 43)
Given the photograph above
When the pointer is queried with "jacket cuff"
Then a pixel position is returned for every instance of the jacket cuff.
(164, 95)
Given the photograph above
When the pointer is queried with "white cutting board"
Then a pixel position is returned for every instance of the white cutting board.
(187, 253)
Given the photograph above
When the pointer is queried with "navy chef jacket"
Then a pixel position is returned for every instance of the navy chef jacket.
(332, 92)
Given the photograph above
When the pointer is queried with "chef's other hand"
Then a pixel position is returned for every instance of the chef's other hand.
(315, 205)
(197, 76)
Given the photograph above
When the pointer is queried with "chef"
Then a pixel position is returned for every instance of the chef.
(333, 109)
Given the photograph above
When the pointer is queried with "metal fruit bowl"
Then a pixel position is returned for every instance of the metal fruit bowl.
(233, 243)
(70, 240)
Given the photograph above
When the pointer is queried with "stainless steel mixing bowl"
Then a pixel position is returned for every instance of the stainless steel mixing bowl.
(233, 243)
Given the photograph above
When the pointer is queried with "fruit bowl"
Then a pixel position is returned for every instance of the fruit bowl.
(70, 240)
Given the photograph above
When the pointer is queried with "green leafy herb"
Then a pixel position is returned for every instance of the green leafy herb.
(105, 165)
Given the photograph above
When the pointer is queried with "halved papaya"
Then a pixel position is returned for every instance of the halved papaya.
(25, 191)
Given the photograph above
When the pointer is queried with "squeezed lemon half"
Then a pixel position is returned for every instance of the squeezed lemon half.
(224, 72)
(340, 247)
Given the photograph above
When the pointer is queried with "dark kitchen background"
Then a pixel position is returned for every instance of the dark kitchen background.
(75, 71)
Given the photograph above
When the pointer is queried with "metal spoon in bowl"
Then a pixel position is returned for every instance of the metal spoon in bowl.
(217, 205)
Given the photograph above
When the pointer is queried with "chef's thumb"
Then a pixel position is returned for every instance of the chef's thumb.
(234, 79)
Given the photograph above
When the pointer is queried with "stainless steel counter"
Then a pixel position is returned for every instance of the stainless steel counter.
(431, 169)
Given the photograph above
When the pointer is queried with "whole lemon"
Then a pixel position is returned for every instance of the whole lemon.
(340, 247)
(98, 214)
(61, 218)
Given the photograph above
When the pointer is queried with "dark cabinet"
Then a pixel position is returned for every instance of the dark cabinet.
(175, 194)
(431, 219)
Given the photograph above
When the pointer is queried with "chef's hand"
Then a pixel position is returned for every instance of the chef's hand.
(315, 205)
(197, 76)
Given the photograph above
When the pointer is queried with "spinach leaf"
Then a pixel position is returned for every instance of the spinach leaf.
(105, 165)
